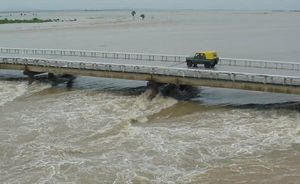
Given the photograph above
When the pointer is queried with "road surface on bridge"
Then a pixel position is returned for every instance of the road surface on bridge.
(170, 64)
(258, 75)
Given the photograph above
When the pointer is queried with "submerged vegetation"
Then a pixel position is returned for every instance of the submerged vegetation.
(133, 13)
(12, 21)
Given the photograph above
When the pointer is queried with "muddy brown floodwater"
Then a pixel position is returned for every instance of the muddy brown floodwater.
(107, 131)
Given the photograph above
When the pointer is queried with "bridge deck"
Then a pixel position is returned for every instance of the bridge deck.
(170, 64)
(272, 76)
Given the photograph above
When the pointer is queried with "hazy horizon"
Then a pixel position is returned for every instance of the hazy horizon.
(140, 9)
(43, 5)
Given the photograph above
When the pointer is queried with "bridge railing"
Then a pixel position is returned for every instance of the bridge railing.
(155, 70)
(282, 65)
(95, 54)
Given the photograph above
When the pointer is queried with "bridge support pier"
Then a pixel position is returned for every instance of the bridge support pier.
(154, 87)
(52, 77)
(55, 79)
(70, 79)
(176, 91)
(31, 75)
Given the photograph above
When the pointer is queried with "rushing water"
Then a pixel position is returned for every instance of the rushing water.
(108, 131)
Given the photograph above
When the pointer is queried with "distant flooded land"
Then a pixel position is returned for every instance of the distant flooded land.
(34, 20)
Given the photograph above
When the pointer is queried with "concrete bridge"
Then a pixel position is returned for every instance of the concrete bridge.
(256, 75)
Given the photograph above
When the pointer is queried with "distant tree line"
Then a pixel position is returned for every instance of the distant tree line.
(34, 20)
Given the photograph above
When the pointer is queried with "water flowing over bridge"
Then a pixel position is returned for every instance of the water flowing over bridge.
(246, 74)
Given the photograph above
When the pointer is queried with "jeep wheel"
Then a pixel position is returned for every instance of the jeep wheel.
(189, 64)
(207, 65)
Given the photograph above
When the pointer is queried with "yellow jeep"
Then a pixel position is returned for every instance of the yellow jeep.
(208, 58)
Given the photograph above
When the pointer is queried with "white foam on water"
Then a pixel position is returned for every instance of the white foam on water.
(11, 90)
(297, 130)
(76, 123)
(203, 141)
(94, 115)
(140, 107)
(88, 136)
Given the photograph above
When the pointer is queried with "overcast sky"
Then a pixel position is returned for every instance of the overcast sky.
(8, 5)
